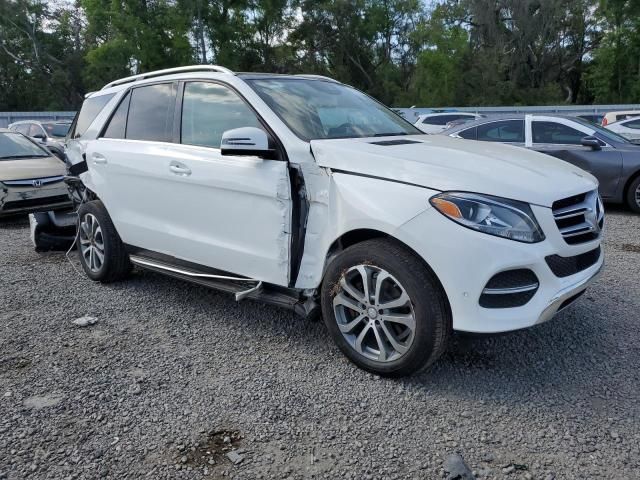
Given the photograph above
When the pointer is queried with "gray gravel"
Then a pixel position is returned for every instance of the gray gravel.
(177, 381)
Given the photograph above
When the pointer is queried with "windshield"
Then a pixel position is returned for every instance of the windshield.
(608, 134)
(318, 109)
(56, 130)
(16, 145)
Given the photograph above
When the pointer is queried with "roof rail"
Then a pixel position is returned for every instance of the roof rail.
(169, 71)
(319, 77)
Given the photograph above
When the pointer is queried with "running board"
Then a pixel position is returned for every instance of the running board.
(279, 296)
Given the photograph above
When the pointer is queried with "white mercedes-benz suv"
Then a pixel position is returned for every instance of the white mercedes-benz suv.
(306, 193)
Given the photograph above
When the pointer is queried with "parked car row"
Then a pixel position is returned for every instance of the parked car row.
(611, 158)
(305, 193)
(48, 134)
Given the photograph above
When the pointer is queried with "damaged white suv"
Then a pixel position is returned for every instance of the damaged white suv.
(306, 193)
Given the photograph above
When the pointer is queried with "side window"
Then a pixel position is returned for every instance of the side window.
(35, 129)
(503, 131)
(440, 119)
(118, 122)
(208, 110)
(556, 133)
(23, 128)
(635, 124)
(151, 113)
(469, 133)
(91, 107)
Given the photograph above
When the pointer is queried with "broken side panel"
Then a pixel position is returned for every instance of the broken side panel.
(344, 202)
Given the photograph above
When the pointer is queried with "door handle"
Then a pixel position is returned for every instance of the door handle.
(98, 159)
(180, 169)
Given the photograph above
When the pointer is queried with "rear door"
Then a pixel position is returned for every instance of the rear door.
(562, 139)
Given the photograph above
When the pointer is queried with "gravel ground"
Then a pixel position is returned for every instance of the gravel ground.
(173, 377)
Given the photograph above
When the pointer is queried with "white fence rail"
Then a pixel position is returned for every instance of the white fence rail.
(9, 117)
(409, 113)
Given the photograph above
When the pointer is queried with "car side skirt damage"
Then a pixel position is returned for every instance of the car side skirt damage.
(289, 298)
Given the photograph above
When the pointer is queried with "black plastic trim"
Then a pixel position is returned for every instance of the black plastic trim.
(346, 172)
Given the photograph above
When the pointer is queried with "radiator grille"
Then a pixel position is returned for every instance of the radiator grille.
(579, 218)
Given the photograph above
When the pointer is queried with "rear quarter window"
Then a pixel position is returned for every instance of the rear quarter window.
(91, 107)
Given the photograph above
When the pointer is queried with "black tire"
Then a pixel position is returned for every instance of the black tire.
(116, 265)
(428, 301)
(632, 202)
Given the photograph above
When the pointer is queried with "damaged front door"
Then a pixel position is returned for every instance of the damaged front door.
(232, 213)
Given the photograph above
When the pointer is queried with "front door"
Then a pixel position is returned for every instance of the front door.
(565, 142)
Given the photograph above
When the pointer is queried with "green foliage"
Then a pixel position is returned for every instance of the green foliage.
(403, 52)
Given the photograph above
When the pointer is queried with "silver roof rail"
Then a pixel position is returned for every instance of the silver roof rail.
(319, 77)
(169, 71)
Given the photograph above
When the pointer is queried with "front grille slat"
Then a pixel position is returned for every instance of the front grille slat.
(579, 218)
(567, 266)
(27, 182)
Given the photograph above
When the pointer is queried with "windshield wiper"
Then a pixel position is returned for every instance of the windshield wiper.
(10, 157)
(392, 134)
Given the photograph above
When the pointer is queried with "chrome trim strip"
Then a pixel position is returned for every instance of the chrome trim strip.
(510, 290)
(575, 230)
(571, 212)
(143, 262)
(29, 181)
(570, 291)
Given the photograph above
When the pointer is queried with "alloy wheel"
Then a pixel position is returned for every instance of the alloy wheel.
(374, 313)
(91, 242)
(638, 195)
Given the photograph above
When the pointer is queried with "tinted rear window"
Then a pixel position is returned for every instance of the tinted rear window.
(151, 113)
(502, 131)
(56, 130)
(90, 109)
(118, 122)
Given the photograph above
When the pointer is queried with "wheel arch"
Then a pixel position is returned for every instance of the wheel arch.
(625, 191)
(359, 235)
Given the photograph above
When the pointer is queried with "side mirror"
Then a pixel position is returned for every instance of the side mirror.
(246, 141)
(592, 142)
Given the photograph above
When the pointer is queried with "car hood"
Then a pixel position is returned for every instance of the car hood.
(25, 168)
(444, 163)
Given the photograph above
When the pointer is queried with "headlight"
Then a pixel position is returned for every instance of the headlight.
(493, 215)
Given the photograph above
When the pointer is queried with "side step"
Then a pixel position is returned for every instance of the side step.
(243, 288)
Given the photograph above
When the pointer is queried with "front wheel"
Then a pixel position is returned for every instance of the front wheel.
(633, 195)
(385, 309)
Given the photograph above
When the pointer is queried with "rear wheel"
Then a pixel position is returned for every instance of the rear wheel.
(101, 251)
(385, 309)
(633, 195)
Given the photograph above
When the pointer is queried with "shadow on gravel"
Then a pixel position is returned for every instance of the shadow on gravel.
(558, 356)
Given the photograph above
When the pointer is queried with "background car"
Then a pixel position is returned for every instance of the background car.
(437, 122)
(612, 159)
(31, 179)
(49, 134)
(593, 118)
(629, 129)
(612, 117)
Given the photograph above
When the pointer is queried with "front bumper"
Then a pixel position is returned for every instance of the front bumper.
(27, 199)
(465, 260)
